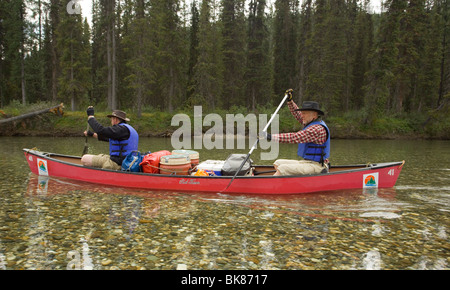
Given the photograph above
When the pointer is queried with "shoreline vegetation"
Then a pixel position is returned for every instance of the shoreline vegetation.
(382, 75)
(155, 123)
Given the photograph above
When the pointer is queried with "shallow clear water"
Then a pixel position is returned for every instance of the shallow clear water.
(62, 224)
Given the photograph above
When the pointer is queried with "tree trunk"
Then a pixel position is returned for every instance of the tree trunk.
(56, 109)
(171, 89)
(113, 60)
(22, 77)
(108, 58)
(22, 56)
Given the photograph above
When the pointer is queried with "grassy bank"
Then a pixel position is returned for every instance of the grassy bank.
(156, 123)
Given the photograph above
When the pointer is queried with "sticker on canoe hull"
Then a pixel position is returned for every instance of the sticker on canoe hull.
(42, 167)
(370, 180)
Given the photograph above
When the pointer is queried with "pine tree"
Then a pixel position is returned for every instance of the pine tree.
(33, 75)
(99, 93)
(109, 7)
(403, 57)
(46, 54)
(258, 73)
(14, 28)
(73, 44)
(285, 46)
(170, 55)
(328, 77)
(54, 19)
(193, 50)
(234, 44)
(305, 54)
(34, 61)
(363, 47)
(2, 54)
(443, 10)
(138, 46)
(383, 61)
(208, 72)
(410, 47)
(425, 81)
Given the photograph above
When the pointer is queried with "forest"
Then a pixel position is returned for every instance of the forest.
(169, 55)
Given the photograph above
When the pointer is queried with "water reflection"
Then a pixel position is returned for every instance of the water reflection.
(367, 203)
(160, 230)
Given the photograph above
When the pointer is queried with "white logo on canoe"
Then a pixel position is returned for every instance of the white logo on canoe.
(370, 180)
(42, 167)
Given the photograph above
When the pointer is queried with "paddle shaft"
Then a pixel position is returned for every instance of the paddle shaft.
(85, 150)
(257, 140)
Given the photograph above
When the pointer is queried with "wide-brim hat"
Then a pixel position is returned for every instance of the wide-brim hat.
(119, 114)
(311, 106)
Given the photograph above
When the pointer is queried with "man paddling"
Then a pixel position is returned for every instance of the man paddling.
(313, 141)
(122, 139)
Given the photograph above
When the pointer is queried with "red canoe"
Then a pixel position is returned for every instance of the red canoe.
(381, 175)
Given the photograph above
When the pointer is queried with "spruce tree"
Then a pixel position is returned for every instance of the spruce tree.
(443, 10)
(14, 29)
(285, 46)
(234, 44)
(2, 54)
(383, 61)
(363, 47)
(73, 44)
(258, 72)
(137, 46)
(193, 50)
(305, 53)
(170, 54)
(208, 72)
(99, 93)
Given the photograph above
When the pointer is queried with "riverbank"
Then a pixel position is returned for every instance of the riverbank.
(158, 124)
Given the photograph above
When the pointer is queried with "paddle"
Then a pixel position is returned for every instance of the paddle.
(257, 140)
(85, 150)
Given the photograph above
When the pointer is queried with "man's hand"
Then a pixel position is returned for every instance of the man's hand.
(90, 134)
(264, 135)
(289, 93)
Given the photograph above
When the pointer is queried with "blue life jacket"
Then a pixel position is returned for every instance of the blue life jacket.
(124, 147)
(312, 151)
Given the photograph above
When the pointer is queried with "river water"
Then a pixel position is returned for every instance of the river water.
(59, 224)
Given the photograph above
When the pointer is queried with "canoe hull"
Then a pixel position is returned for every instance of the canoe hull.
(378, 176)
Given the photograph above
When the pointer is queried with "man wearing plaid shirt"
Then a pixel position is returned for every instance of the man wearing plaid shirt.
(313, 140)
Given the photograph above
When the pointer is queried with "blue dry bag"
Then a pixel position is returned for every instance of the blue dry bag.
(132, 161)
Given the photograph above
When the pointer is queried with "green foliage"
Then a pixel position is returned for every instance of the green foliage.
(381, 70)
(72, 37)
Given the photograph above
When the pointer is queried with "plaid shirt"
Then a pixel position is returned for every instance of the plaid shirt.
(313, 134)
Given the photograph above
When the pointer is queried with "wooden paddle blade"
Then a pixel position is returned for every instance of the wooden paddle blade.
(86, 146)
(85, 150)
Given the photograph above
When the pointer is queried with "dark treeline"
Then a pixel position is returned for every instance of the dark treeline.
(171, 54)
